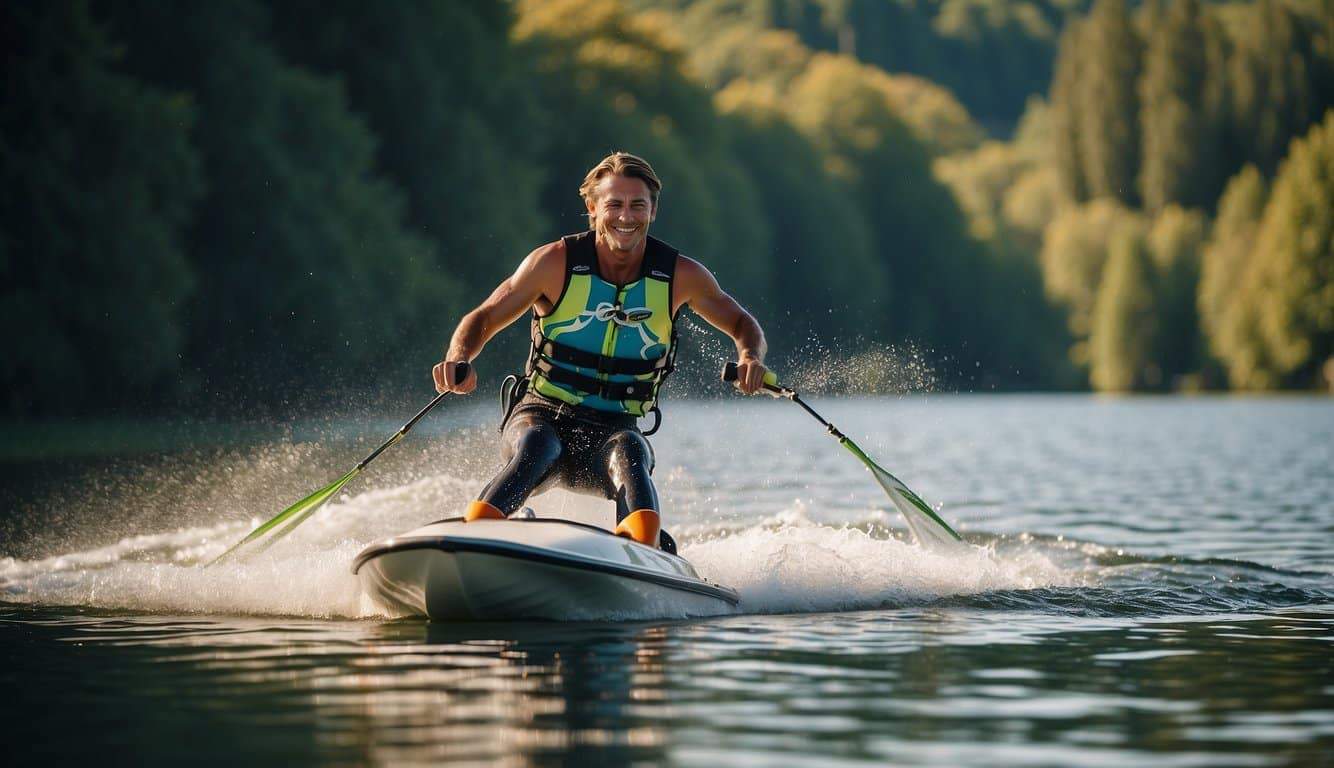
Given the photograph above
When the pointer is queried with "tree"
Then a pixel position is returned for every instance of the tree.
(1226, 311)
(1294, 276)
(1074, 252)
(1107, 102)
(1066, 103)
(97, 180)
(1175, 242)
(1275, 77)
(917, 226)
(1124, 321)
(308, 273)
(1182, 113)
(457, 123)
(809, 295)
(936, 118)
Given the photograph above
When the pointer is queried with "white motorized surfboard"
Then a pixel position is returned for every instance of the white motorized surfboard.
(535, 568)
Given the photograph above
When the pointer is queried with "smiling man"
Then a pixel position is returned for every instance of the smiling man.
(604, 307)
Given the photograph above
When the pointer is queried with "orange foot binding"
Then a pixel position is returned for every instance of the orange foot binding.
(641, 525)
(481, 510)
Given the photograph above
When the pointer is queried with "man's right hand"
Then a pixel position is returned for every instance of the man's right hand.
(444, 374)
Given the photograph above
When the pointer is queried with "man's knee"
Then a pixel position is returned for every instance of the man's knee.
(538, 444)
(628, 449)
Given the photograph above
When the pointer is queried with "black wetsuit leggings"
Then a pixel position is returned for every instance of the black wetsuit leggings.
(547, 443)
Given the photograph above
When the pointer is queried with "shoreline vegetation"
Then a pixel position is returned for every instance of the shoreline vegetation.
(208, 207)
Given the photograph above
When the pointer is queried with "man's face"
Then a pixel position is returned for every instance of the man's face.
(622, 209)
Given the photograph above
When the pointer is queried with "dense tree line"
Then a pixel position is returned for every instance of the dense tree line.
(991, 54)
(1120, 186)
(240, 203)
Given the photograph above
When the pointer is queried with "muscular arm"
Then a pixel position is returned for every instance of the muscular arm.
(697, 287)
(541, 275)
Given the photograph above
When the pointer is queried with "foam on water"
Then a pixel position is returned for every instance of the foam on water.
(784, 564)
(793, 565)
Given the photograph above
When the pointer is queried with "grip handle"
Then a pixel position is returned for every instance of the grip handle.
(770, 379)
(461, 372)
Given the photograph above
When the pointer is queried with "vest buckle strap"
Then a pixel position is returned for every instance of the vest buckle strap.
(607, 390)
(562, 353)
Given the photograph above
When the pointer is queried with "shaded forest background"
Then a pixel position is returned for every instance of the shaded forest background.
(240, 204)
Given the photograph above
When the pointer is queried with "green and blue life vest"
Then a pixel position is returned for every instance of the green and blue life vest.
(606, 346)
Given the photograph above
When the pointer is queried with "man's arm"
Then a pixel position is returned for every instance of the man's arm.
(696, 286)
(541, 273)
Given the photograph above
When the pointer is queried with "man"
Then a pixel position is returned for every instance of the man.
(604, 307)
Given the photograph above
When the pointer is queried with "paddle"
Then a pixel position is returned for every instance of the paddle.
(927, 527)
(298, 512)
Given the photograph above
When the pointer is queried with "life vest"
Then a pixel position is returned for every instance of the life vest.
(606, 346)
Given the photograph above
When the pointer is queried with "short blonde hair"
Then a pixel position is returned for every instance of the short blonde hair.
(622, 164)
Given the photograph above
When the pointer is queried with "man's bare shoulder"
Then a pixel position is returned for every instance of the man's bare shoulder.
(548, 255)
(543, 262)
(692, 273)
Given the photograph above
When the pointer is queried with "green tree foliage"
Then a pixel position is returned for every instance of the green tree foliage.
(1074, 252)
(918, 229)
(984, 181)
(450, 101)
(1294, 271)
(1176, 240)
(979, 181)
(936, 118)
(1066, 96)
(96, 181)
(822, 259)
(992, 54)
(1124, 323)
(1276, 77)
(1107, 102)
(1267, 290)
(1183, 115)
(304, 266)
(1226, 312)
(723, 53)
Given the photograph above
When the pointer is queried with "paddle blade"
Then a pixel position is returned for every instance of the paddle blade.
(926, 526)
(297, 513)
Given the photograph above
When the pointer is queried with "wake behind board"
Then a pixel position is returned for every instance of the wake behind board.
(534, 568)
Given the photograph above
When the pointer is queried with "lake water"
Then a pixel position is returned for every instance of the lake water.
(1152, 584)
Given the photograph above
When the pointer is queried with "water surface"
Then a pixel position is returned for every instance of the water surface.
(1153, 584)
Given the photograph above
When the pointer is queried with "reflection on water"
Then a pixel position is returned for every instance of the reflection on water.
(956, 686)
